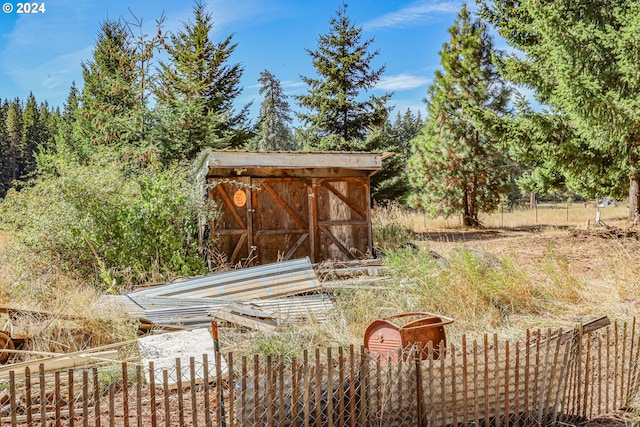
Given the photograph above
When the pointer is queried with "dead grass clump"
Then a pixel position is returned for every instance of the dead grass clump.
(57, 311)
(73, 322)
(476, 289)
(391, 226)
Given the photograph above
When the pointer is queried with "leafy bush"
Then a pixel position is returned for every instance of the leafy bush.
(102, 224)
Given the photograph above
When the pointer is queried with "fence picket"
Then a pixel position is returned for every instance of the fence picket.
(269, 390)
(232, 390)
(256, 390)
(71, 401)
(193, 389)
(506, 384)
(454, 385)
(165, 392)
(607, 370)
(43, 396)
(516, 387)
(420, 391)
(243, 392)
(125, 395)
(281, 388)
(631, 362)
(85, 399)
(318, 391)
(112, 406)
(205, 381)
(527, 378)
(329, 388)
(27, 384)
(12, 398)
(487, 412)
(294, 392)
(341, 391)
(139, 395)
(306, 385)
(152, 393)
(220, 390)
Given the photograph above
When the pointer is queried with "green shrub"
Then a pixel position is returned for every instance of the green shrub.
(98, 223)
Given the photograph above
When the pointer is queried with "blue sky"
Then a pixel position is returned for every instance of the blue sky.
(42, 53)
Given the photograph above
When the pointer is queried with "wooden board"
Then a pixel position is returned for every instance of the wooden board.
(232, 229)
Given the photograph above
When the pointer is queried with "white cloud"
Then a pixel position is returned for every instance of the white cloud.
(413, 14)
(401, 82)
(289, 84)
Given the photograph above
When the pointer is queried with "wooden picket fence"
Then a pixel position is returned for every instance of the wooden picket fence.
(546, 378)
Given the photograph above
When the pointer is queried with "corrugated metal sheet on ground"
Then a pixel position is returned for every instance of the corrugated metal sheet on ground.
(198, 312)
(267, 281)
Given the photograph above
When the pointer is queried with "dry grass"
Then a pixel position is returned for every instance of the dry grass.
(548, 271)
(55, 310)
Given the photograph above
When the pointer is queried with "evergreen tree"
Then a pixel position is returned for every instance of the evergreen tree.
(113, 117)
(14, 131)
(392, 182)
(25, 128)
(338, 117)
(558, 158)
(273, 128)
(5, 166)
(196, 91)
(405, 127)
(582, 59)
(64, 145)
(32, 136)
(457, 167)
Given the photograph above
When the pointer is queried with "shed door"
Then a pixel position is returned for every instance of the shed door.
(343, 218)
(232, 228)
(281, 218)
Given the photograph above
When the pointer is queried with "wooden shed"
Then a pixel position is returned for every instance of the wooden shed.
(286, 205)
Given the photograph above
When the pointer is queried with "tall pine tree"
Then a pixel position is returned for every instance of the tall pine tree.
(582, 59)
(5, 166)
(457, 166)
(196, 91)
(109, 90)
(273, 129)
(338, 117)
(14, 129)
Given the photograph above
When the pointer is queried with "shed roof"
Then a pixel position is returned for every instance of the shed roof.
(294, 163)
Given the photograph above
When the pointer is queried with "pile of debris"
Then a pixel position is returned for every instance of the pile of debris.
(259, 298)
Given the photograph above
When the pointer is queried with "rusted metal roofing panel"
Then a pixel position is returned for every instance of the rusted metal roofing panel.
(267, 281)
(198, 312)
